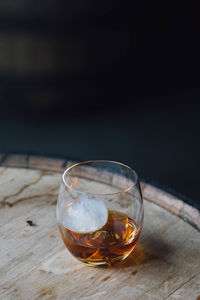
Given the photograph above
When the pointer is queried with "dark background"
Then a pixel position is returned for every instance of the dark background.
(104, 80)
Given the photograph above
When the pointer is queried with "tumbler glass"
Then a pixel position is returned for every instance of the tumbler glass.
(100, 211)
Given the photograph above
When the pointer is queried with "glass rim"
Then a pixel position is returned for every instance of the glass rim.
(99, 161)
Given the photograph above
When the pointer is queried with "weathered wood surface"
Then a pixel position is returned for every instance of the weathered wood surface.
(34, 263)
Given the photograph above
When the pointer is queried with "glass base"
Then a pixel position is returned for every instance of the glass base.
(107, 262)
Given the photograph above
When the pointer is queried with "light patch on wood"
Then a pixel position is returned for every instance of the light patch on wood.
(61, 263)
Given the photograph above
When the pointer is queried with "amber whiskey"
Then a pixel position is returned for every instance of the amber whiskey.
(113, 242)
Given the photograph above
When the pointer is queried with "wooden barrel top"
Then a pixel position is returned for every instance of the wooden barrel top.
(34, 263)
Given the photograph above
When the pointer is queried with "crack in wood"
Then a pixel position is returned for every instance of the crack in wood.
(3, 202)
(159, 285)
(181, 286)
(31, 198)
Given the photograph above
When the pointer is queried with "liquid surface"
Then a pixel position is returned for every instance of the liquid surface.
(114, 241)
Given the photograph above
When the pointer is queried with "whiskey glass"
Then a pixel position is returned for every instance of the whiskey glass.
(100, 211)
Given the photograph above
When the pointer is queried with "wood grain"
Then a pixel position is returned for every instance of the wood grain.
(34, 263)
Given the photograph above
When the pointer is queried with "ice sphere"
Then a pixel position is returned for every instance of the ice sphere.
(85, 214)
